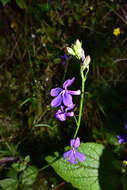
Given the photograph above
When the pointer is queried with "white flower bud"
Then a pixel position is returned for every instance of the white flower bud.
(86, 63)
(70, 51)
(87, 60)
(79, 52)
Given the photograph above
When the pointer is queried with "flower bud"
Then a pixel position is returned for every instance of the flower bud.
(86, 63)
(76, 50)
(79, 52)
(87, 60)
(70, 51)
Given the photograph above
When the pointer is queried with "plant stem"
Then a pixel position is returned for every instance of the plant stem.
(43, 168)
(81, 101)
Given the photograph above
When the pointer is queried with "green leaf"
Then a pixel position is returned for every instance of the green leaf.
(16, 166)
(29, 175)
(27, 159)
(43, 125)
(21, 4)
(97, 172)
(19, 166)
(4, 2)
(12, 173)
(22, 166)
(25, 101)
(9, 184)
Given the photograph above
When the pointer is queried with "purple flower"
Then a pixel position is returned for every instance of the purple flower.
(64, 95)
(122, 138)
(73, 156)
(63, 113)
(64, 59)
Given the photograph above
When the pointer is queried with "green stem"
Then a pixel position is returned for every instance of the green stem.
(76, 120)
(46, 166)
(81, 101)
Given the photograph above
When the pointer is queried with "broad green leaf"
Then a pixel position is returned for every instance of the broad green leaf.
(97, 172)
(9, 184)
(21, 4)
(29, 175)
(4, 2)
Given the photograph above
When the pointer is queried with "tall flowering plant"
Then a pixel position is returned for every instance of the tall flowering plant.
(85, 165)
(64, 100)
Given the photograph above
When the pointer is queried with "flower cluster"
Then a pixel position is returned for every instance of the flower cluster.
(77, 51)
(73, 156)
(63, 98)
(63, 113)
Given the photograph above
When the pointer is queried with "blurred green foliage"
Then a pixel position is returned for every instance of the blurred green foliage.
(20, 176)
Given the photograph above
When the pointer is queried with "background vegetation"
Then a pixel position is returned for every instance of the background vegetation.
(33, 36)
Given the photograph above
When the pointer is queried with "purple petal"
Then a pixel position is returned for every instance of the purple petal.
(62, 108)
(81, 157)
(60, 115)
(67, 99)
(68, 83)
(64, 59)
(75, 142)
(70, 107)
(122, 138)
(74, 92)
(59, 111)
(70, 114)
(73, 160)
(55, 91)
(65, 56)
(70, 156)
(56, 101)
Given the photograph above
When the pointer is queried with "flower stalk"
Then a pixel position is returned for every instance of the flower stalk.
(77, 51)
(81, 101)
(63, 99)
